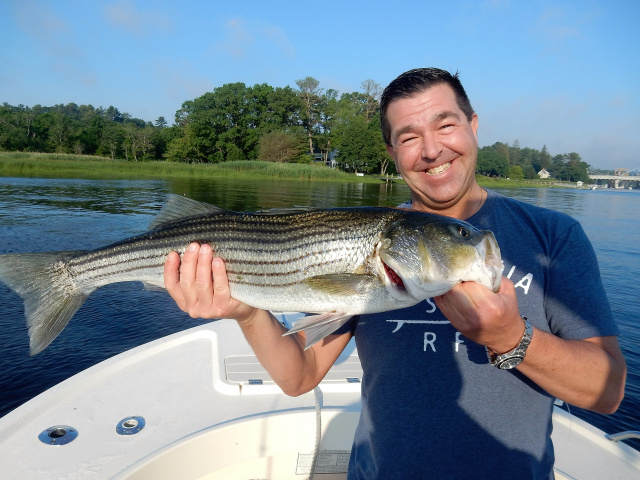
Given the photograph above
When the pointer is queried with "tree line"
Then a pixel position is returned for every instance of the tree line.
(260, 122)
(512, 161)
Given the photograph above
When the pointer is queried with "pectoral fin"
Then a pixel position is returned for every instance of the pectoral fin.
(316, 327)
(343, 284)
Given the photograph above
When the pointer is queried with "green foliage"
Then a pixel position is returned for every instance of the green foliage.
(236, 122)
(501, 160)
(359, 145)
(491, 163)
(516, 173)
(77, 129)
(280, 146)
(304, 158)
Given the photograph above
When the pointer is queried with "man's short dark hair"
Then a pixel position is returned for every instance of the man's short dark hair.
(416, 81)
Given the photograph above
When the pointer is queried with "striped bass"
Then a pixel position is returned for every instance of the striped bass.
(334, 263)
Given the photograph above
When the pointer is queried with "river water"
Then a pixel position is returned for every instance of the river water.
(69, 214)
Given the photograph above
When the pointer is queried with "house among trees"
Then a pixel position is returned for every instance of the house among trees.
(544, 173)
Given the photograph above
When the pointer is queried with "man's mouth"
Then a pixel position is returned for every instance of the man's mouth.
(439, 169)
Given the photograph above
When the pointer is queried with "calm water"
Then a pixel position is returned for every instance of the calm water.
(45, 214)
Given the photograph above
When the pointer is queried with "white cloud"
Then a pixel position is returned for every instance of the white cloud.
(237, 38)
(38, 20)
(126, 15)
(181, 80)
(279, 39)
(243, 37)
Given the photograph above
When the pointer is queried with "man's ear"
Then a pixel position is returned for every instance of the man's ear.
(474, 125)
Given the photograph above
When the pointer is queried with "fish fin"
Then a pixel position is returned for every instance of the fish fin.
(51, 297)
(425, 256)
(178, 207)
(344, 284)
(154, 287)
(316, 327)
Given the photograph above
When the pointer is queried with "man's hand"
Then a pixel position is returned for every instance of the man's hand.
(200, 287)
(488, 318)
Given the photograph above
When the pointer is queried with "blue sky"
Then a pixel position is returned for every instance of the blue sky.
(561, 73)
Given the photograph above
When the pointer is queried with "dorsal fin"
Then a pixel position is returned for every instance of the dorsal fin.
(178, 207)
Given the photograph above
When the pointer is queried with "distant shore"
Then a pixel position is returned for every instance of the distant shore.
(48, 165)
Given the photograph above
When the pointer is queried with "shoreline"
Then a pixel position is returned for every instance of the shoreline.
(48, 165)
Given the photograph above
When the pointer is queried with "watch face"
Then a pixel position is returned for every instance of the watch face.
(510, 363)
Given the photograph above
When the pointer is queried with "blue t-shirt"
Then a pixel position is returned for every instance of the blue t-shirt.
(433, 406)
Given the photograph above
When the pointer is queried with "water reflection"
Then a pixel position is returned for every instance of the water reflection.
(249, 195)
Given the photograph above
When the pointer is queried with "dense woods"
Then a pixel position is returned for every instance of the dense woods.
(238, 122)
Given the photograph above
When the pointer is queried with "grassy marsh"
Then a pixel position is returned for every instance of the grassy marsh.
(49, 165)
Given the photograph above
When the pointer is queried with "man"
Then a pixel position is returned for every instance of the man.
(434, 403)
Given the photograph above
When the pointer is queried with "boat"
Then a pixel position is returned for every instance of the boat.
(198, 405)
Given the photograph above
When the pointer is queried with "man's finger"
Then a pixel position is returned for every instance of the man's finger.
(172, 278)
(188, 268)
(203, 279)
(220, 280)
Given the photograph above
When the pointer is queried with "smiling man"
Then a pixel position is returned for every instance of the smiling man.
(462, 385)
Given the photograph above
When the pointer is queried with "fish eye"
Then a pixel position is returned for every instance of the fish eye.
(463, 232)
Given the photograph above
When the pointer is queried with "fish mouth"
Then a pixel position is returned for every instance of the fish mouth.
(394, 278)
(439, 169)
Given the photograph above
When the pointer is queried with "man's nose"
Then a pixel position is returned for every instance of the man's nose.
(431, 147)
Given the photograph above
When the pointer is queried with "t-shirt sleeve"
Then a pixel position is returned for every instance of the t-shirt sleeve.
(576, 303)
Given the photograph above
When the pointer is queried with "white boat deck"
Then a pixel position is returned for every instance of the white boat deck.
(210, 411)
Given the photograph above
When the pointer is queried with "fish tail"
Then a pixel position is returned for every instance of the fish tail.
(51, 295)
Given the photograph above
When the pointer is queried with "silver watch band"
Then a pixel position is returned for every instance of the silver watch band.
(514, 357)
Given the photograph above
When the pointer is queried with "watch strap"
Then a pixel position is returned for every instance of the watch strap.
(513, 358)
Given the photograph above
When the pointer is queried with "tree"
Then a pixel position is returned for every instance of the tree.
(280, 146)
(530, 172)
(516, 173)
(545, 158)
(491, 163)
(310, 96)
(111, 140)
(359, 146)
(372, 92)
(328, 113)
(514, 153)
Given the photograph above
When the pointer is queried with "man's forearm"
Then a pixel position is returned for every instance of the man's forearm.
(293, 368)
(587, 373)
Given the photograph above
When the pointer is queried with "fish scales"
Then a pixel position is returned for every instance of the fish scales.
(255, 247)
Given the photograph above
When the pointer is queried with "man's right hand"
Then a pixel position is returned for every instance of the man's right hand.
(200, 287)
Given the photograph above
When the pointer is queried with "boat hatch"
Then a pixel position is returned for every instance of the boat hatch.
(246, 370)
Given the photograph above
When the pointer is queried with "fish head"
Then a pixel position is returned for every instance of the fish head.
(425, 255)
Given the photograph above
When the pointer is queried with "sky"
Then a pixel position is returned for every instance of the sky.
(565, 74)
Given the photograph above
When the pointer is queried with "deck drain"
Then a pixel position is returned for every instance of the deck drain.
(130, 425)
(58, 435)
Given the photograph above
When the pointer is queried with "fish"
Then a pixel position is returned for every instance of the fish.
(330, 263)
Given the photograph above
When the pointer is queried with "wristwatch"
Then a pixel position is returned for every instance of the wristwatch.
(514, 357)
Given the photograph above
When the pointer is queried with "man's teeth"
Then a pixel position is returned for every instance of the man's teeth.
(440, 169)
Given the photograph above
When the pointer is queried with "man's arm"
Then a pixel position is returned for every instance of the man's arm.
(200, 287)
(586, 373)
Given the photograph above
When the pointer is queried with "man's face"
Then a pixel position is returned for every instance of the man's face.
(434, 147)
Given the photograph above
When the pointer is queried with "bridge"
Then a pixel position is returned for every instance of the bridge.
(622, 178)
